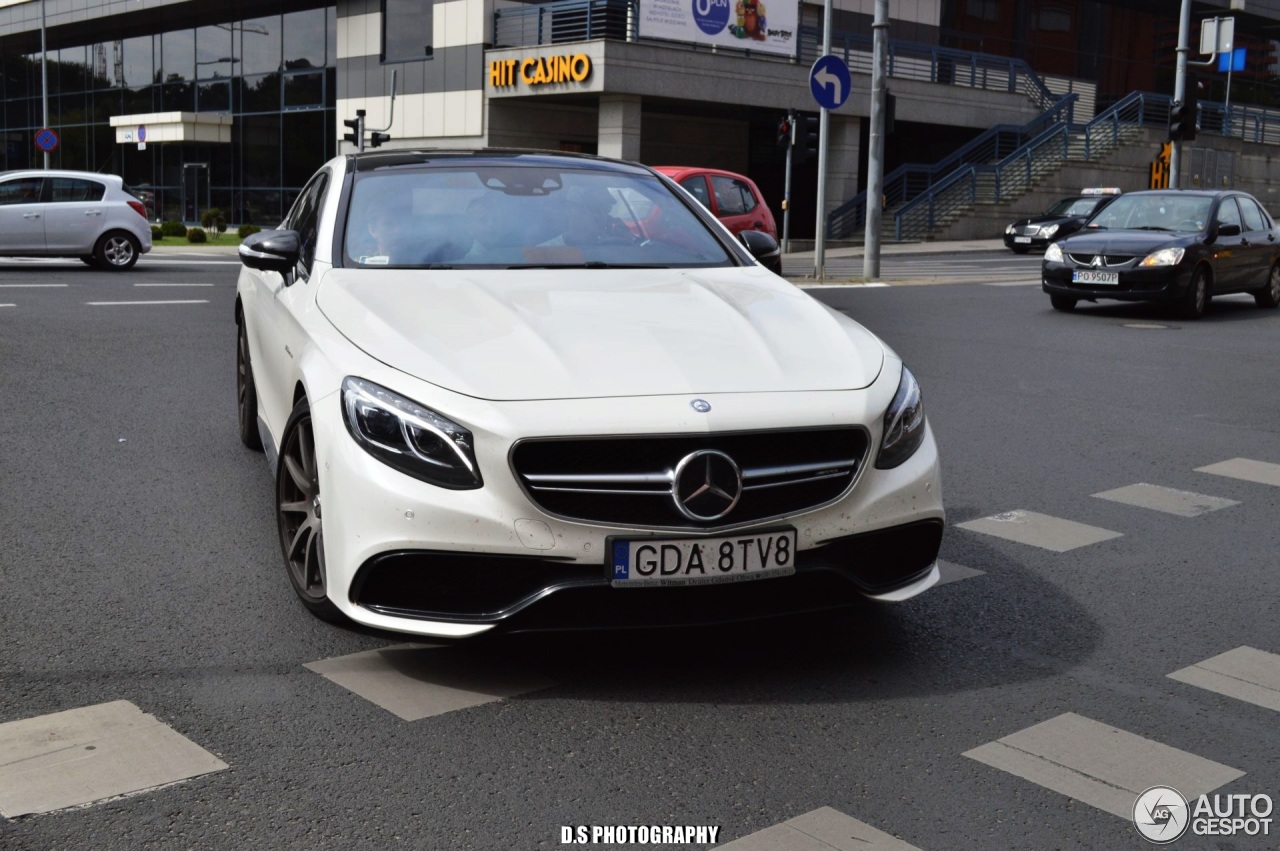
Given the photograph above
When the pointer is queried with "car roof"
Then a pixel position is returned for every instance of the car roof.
(56, 172)
(1194, 193)
(675, 170)
(373, 161)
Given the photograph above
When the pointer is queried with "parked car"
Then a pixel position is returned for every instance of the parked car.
(733, 198)
(1064, 218)
(537, 391)
(1179, 247)
(72, 214)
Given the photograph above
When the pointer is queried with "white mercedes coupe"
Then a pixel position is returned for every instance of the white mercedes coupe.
(532, 391)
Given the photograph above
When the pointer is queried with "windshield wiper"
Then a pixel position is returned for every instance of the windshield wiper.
(587, 264)
(1150, 227)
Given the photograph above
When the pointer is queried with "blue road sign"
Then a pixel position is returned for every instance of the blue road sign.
(1237, 61)
(46, 140)
(829, 81)
(142, 132)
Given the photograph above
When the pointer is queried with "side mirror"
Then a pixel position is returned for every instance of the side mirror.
(762, 247)
(271, 251)
(1228, 230)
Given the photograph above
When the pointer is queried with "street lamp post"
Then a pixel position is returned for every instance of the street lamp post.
(44, 79)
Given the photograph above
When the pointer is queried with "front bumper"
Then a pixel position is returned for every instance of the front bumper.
(406, 556)
(1037, 243)
(1165, 284)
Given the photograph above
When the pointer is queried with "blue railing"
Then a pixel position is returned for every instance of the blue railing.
(912, 179)
(1015, 173)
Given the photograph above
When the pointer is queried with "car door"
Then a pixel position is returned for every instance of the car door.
(1230, 251)
(74, 215)
(280, 337)
(1261, 239)
(21, 216)
(736, 204)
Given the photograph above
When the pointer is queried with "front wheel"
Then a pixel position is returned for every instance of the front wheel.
(1197, 298)
(1064, 303)
(1269, 296)
(298, 512)
(246, 392)
(117, 251)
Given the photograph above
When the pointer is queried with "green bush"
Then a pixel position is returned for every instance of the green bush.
(173, 229)
(157, 232)
(209, 216)
(197, 235)
(248, 230)
(220, 224)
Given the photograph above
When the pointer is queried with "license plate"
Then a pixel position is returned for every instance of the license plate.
(1088, 276)
(648, 562)
(1026, 239)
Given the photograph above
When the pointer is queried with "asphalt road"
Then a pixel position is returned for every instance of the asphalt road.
(139, 561)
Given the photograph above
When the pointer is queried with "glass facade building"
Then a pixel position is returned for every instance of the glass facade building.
(275, 75)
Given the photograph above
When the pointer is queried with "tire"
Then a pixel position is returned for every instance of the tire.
(89, 260)
(1269, 296)
(1063, 302)
(298, 515)
(117, 251)
(246, 392)
(1196, 300)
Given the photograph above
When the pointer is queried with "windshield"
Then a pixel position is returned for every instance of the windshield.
(1072, 207)
(522, 216)
(1160, 211)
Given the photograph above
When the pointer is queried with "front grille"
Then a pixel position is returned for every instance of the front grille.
(627, 481)
(1110, 260)
(1030, 230)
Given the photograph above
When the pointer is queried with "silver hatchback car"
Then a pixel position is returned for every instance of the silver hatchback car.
(72, 214)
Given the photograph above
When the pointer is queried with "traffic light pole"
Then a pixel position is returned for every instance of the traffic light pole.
(786, 190)
(1180, 89)
(875, 155)
(820, 226)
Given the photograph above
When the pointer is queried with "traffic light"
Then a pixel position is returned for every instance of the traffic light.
(356, 136)
(1182, 116)
(376, 138)
(806, 139)
(784, 132)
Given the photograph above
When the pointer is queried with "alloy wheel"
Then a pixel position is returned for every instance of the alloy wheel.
(117, 250)
(1273, 284)
(299, 512)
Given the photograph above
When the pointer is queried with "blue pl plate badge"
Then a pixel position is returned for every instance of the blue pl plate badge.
(621, 570)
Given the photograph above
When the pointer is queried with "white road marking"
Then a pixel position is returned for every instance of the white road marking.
(30, 286)
(956, 572)
(175, 301)
(1262, 472)
(413, 681)
(823, 829)
(1168, 500)
(1040, 530)
(173, 285)
(8, 305)
(1245, 673)
(89, 754)
(1103, 766)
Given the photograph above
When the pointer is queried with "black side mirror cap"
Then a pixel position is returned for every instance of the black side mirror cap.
(762, 246)
(271, 251)
(1228, 230)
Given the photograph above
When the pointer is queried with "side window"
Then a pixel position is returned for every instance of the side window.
(1253, 218)
(75, 189)
(305, 218)
(22, 190)
(728, 196)
(1228, 212)
(748, 197)
(697, 187)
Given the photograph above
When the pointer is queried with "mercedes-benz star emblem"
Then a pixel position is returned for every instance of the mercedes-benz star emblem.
(700, 405)
(707, 485)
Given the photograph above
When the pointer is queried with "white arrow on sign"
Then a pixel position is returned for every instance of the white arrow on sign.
(825, 78)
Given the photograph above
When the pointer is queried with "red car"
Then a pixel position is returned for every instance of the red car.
(733, 198)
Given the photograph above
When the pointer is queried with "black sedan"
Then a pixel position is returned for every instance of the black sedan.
(1062, 219)
(1177, 247)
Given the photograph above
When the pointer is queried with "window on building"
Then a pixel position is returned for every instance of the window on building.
(406, 30)
(986, 10)
(1051, 19)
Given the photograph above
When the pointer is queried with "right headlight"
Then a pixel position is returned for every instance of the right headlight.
(903, 424)
(1053, 253)
(1009, 229)
(408, 437)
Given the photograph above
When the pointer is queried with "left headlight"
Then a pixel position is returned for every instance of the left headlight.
(903, 424)
(1009, 229)
(1053, 253)
(408, 437)
(1164, 257)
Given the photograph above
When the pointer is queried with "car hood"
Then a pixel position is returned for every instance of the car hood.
(1045, 220)
(565, 334)
(1133, 242)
